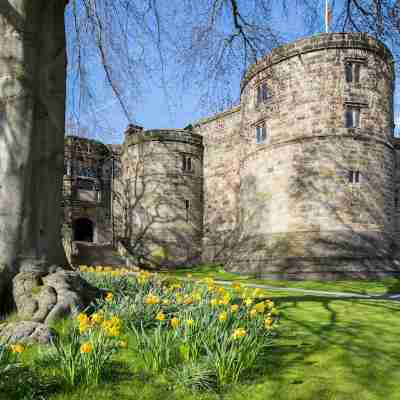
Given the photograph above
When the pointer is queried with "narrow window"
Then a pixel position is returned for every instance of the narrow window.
(261, 133)
(354, 176)
(187, 207)
(187, 165)
(349, 72)
(353, 72)
(357, 67)
(263, 94)
(352, 117)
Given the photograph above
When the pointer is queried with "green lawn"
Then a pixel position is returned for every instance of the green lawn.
(326, 350)
(341, 350)
(372, 287)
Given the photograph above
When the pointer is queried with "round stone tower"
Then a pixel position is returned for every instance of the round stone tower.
(161, 189)
(317, 163)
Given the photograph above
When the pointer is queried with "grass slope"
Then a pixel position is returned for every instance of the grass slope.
(371, 287)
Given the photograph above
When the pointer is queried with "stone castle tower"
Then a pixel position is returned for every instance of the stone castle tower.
(299, 180)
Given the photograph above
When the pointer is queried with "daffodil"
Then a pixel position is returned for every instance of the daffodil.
(17, 348)
(253, 312)
(225, 299)
(143, 277)
(174, 322)
(160, 316)
(248, 301)
(189, 322)
(152, 299)
(109, 296)
(213, 302)
(268, 322)
(222, 317)
(86, 348)
(97, 318)
(260, 307)
(234, 308)
(112, 327)
(239, 333)
(188, 300)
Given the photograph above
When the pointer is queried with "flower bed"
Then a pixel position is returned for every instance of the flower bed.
(214, 335)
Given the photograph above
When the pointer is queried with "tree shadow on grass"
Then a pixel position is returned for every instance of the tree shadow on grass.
(27, 384)
(334, 348)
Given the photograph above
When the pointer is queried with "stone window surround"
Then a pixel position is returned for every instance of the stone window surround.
(354, 176)
(262, 89)
(187, 163)
(354, 105)
(256, 126)
(354, 62)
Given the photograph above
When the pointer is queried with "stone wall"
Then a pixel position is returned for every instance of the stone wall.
(221, 140)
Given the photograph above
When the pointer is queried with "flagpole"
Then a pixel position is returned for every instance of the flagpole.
(326, 17)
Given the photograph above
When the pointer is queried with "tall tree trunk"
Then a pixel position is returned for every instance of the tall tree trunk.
(32, 108)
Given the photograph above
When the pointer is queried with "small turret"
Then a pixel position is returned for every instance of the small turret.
(133, 130)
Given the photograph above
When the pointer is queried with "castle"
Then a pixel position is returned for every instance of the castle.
(300, 180)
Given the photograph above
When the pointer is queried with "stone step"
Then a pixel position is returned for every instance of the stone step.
(95, 254)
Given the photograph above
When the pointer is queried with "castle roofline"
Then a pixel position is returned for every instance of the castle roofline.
(93, 142)
(219, 115)
(344, 40)
(164, 135)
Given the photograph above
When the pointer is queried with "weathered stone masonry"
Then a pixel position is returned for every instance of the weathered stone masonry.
(298, 181)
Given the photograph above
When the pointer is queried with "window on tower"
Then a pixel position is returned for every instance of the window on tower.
(187, 208)
(263, 93)
(261, 133)
(187, 164)
(354, 176)
(352, 117)
(353, 72)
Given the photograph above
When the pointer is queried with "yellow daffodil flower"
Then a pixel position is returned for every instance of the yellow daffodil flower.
(174, 322)
(160, 316)
(86, 348)
(222, 317)
(234, 308)
(109, 296)
(239, 333)
(151, 299)
(17, 348)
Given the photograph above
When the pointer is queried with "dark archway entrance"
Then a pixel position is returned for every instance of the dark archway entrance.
(83, 230)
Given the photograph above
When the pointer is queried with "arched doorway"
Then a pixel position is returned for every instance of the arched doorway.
(83, 230)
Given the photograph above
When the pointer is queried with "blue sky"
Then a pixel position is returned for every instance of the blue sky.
(174, 107)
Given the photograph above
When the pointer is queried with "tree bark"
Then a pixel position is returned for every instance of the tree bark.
(32, 109)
